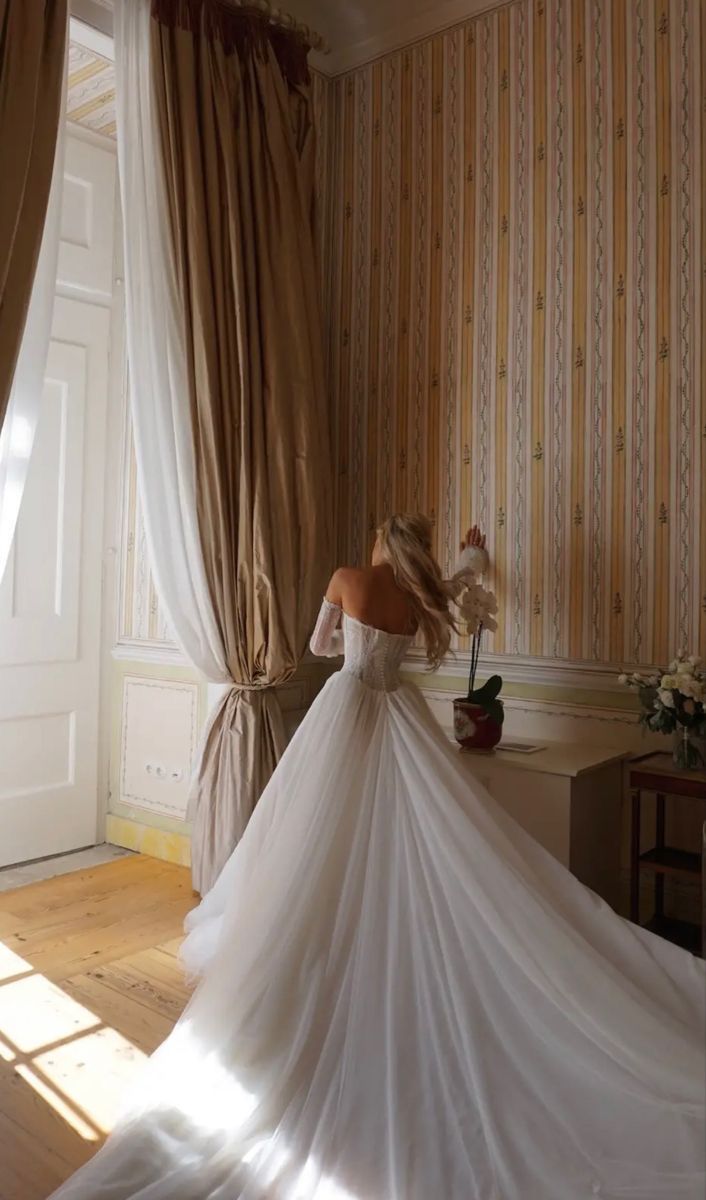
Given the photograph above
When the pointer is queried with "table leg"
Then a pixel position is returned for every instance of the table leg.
(659, 845)
(635, 857)
(704, 883)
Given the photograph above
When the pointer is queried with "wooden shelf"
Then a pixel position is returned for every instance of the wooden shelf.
(669, 861)
(682, 933)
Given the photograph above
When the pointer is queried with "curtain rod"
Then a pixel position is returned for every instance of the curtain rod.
(85, 11)
(279, 16)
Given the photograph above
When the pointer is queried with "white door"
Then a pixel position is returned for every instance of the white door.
(50, 597)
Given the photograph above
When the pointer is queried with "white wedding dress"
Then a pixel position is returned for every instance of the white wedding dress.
(404, 997)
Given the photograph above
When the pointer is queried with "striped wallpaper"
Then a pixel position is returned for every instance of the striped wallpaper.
(514, 254)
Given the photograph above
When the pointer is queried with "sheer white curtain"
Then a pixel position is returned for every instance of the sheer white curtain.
(20, 424)
(159, 393)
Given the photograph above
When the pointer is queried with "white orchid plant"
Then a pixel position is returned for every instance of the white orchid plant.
(477, 608)
(673, 699)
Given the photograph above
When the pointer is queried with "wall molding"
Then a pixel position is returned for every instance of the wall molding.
(549, 708)
(530, 672)
(146, 839)
(91, 26)
(91, 137)
(575, 712)
(161, 654)
(534, 672)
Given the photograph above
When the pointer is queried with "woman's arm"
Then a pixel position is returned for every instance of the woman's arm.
(327, 638)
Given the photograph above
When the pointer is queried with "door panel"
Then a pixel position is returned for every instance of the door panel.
(50, 597)
(40, 592)
(86, 250)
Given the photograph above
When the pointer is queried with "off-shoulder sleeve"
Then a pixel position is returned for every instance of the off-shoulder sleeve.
(475, 559)
(327, 639)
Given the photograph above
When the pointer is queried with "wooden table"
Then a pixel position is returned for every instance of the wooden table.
(567, 796)
(657, 773)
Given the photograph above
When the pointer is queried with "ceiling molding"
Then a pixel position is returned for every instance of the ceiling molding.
(357, 34)
(96, 15)
(90, 101)
(102, 141)
(348, 53)
(91, 39)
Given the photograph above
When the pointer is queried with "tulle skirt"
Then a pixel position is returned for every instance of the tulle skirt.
(406, 998)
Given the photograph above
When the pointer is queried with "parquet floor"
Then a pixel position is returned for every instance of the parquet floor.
(89, 985)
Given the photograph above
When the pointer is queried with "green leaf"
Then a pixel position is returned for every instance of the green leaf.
(488, 692)
(496, 711)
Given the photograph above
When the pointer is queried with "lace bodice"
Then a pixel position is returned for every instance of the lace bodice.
(372, 655)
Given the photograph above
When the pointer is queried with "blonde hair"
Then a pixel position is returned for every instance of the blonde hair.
(405, 542)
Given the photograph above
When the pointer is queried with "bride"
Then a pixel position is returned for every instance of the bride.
(403, 996)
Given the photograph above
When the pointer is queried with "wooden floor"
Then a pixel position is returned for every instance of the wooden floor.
(89, 985)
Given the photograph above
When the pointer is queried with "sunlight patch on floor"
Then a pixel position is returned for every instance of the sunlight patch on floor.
(7, 1054)
(56, 1101)
(11, 965)
(35, 1013)
(93, 1071)
(84, 1069)
(79, 1066)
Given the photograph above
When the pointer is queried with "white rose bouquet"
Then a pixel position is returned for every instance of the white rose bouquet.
(674, 701)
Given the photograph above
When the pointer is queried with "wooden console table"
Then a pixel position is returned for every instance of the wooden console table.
(657, 773)
(567, 796)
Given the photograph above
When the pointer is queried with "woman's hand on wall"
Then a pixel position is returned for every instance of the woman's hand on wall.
(474, 555)
(474, 537)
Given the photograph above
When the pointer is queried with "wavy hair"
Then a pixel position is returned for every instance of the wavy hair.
(405, 542)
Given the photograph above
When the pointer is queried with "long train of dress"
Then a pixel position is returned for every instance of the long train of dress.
(404, 997)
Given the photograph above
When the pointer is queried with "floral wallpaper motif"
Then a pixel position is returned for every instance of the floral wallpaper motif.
(515, 254)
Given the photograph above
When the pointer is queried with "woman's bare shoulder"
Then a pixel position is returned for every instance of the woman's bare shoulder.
(351, 581)
(341, 581)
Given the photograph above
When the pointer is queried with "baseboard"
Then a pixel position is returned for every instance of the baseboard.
(157, 843)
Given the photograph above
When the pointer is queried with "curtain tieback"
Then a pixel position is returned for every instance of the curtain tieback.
(251, 687)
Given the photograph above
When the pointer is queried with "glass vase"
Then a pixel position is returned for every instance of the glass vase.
(689, 749)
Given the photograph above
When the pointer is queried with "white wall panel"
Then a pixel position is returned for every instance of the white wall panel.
(159, 731)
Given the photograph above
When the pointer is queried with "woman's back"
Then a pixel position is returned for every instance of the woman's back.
(372, 596)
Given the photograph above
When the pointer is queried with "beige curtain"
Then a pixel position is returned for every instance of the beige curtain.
(32, 45)
(234, 104)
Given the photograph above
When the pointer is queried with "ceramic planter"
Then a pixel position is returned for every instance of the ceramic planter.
(474, 728)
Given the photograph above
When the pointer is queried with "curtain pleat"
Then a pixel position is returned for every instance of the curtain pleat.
(32, 49)
(230, 116)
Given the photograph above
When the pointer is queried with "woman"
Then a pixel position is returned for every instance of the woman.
(403, 996)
